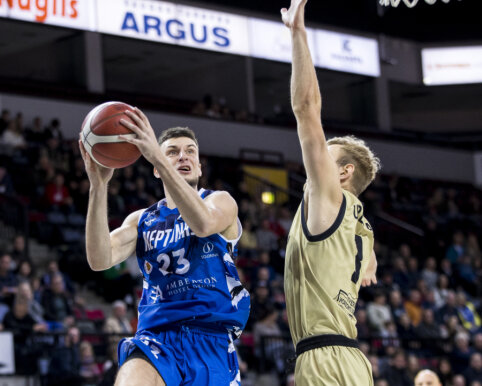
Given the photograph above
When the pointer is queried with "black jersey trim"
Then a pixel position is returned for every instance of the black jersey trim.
(330, 230)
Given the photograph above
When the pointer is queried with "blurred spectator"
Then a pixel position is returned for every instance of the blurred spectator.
(12, 137)
(474, 372)
(466, 275)
(477, 341)
(53, 270)
(448, 309)
(396, 304)
(457, 248)
(461, 353)
(267, 327)
(441, 291)
(118, 322)
(413, 307)
(36, 134)
(405, 330)
(6, 185)
(412, 271)
(428, 328)
(413, 365)
(89, 369)
(400, 275)
(429, 273)
(18, 251)
(109, 368)
(56, 192)
(467, 313)
(64, 366)
(378, 312)
(259, 301)
(23, 325)
(397, 374)
(8, 280)
(445, 371)
(25, 294)
(53, 130)
(362, 327)
(25, 271)
(56, 301)
(267, 239)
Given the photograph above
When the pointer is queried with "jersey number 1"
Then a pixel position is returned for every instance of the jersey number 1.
(358, 259)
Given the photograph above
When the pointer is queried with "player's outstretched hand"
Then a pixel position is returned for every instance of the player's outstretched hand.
(294, 17)
(146, 140)
(98, 175)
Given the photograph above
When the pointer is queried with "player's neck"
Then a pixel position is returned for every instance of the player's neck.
(169, 201)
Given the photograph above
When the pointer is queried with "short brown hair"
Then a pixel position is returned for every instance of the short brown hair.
(356, 152)
(176, 132)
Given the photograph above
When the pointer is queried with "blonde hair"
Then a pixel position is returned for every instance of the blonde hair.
(356, 152)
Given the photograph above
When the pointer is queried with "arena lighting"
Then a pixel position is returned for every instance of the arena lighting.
(268, 198)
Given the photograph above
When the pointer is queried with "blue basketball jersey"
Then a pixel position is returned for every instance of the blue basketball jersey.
(187, 279)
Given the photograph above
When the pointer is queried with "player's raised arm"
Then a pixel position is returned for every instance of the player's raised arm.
(105, 250)
(173, 160)
(320, 167)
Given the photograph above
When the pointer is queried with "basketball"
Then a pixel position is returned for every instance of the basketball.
(100, 131)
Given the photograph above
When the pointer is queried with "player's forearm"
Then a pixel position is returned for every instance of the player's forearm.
(193, 209)
(97, 238)
(305, 92)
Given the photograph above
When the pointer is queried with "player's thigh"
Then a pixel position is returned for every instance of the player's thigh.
(333, 366)
(138, 372)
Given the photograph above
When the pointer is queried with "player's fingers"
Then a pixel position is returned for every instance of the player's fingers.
(135, 117)
(142, 115)
(135, 128)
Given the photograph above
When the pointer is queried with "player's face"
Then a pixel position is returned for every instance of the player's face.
(183, 154)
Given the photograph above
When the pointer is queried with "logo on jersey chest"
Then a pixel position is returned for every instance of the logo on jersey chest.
(161, 238)
(208, 249)
(347, 302)
(147, 267)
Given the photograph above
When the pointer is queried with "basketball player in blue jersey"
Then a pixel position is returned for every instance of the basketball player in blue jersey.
(193, 304)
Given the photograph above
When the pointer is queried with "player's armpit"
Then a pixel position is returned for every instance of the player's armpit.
(123, 239)
(222, 214)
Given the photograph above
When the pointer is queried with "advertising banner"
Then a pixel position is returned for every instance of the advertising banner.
(457, 65)
(349, 53)
(78, 14)
(174, 24)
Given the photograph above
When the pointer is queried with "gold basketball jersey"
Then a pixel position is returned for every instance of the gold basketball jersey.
(323, 273)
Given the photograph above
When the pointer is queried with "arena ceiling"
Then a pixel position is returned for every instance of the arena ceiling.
(459, 20)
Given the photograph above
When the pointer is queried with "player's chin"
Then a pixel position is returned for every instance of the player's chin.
(192, 181)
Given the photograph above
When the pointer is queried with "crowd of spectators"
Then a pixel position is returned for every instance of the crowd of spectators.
(423, 313)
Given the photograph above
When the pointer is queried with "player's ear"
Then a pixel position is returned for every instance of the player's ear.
(156, 173)
(346, 171)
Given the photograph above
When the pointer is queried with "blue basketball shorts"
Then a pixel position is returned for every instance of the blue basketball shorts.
(187, 356)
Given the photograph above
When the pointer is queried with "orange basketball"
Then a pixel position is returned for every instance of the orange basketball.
(100, 132)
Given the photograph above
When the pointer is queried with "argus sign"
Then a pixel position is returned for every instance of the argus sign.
(174, 24)
(66, 13)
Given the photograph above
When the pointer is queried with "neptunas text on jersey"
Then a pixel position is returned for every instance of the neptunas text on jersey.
(154, 237)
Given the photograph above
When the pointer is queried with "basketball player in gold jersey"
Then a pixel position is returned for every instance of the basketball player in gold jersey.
(330, 246)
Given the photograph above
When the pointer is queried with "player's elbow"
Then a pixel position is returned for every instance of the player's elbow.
(307, 106)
